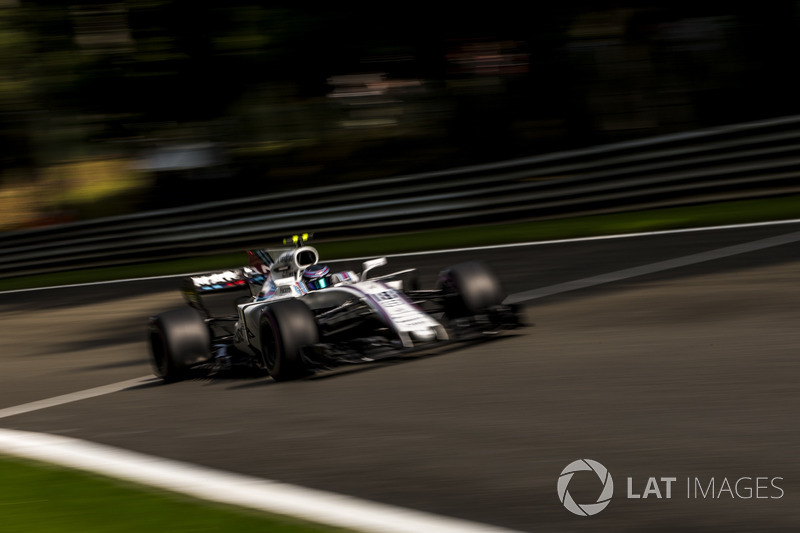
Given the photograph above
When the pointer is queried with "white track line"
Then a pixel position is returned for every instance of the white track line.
(584, 239)
(457, 250)
(74, 396)
(660, 266)
(94, 283)
(234, 489)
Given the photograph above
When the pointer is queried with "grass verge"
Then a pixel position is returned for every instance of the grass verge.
(39, 498)
(721, 213)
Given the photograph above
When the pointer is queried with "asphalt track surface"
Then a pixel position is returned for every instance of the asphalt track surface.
(690, 372)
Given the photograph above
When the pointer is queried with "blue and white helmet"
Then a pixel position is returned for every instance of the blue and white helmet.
(317, 277)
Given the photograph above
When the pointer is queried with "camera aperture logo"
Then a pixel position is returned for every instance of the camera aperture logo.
(586, 509)
(666, 487)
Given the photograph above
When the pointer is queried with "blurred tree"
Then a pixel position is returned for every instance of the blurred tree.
(16, 88)
(118, 64)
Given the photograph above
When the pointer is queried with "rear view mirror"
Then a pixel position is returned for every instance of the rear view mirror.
(372, 263)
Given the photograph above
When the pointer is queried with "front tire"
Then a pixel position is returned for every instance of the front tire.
(179, 340)
(287, 327)
(469, 289)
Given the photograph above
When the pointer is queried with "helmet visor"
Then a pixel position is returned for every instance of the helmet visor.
(320, 283)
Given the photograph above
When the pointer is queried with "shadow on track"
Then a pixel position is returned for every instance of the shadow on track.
(358, 368)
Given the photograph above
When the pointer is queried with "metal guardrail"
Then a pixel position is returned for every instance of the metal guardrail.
(743, 160)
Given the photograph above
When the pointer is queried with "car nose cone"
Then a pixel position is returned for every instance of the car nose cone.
(424, 335)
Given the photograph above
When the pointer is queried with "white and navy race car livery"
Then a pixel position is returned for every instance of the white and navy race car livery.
(299, 316)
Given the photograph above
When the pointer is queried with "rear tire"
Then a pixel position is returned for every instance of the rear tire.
(469, 289)
(287, 327)
(179, 340)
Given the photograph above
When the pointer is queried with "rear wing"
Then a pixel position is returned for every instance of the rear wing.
(218, 281)
(195, 288)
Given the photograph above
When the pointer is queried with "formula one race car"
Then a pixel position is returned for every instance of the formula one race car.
(298, 317)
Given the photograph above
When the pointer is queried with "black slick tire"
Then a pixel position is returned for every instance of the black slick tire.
(469, 289)
(286, 327)
(179, 340)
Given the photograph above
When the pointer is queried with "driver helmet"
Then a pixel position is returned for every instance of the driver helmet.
(317, 277)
